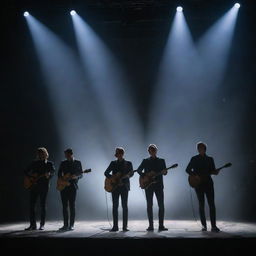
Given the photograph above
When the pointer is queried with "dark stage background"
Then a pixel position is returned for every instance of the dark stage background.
(136, 36)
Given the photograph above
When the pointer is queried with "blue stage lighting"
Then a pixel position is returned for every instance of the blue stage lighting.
(26, 14)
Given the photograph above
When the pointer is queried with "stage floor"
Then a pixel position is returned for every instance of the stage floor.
(100, 229)
(94, 238)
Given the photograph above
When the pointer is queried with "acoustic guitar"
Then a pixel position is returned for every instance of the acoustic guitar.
(195, 180)
(64, 181)
(149, 178)
(115, 181)
(31, 180)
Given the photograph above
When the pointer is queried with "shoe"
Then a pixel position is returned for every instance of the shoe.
(64, 228)
(150, 228)
(41, 227)
(204, 229)
(71, 228)
(114, 229)
(215, 229)
(31, 227)
(125, 229)
(163, 228)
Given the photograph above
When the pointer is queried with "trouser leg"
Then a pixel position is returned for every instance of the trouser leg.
(43, 197)
(149, 197)
(115, 199)
(72, 205)
(160, 200)
(33, 198)
(124, 198)
(211, 203)
(64, 199)
(200, 196)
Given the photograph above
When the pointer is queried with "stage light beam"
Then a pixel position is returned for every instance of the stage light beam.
(69, 94)
(214, 48)
(237, 5)
(26, 14)
(109, 85)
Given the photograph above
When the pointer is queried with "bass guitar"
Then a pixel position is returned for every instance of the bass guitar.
(64, 181)
(149, 178)
(115, 181)
(31, 180)
(195, 180)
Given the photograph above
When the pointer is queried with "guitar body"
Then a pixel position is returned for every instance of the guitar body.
(63, 182)
(113, 182)
(147, 180)
(194, 181)
(30, 181)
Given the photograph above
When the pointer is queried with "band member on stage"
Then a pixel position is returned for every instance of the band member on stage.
(203, 166)
(68, 194)
(124, 167)
(156, 164)
(44, 168)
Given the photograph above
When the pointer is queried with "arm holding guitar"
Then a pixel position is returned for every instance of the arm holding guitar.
(190, 167)
(165, 171)
(52, 172)
(108, 170)
(140, 168)
(60, 171)
(79, 173)
(130, 172)
(164, 168)
(28, 170)
(215, 171)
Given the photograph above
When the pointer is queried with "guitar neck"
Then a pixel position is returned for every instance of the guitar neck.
(164, 170)
(222, 167)
(84, 171)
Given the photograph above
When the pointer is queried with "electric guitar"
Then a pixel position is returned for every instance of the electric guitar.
(195, 180)
(64, 181)
(115, 181)
(148, 178)
(31, 180)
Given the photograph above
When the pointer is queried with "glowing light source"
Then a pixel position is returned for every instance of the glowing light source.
(237, 5)
(179, 9)
(73, 12)
(26, 14)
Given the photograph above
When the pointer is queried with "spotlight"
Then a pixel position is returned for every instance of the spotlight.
(73, 12)
(179, 9)
(26, 14)
(237, 5)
